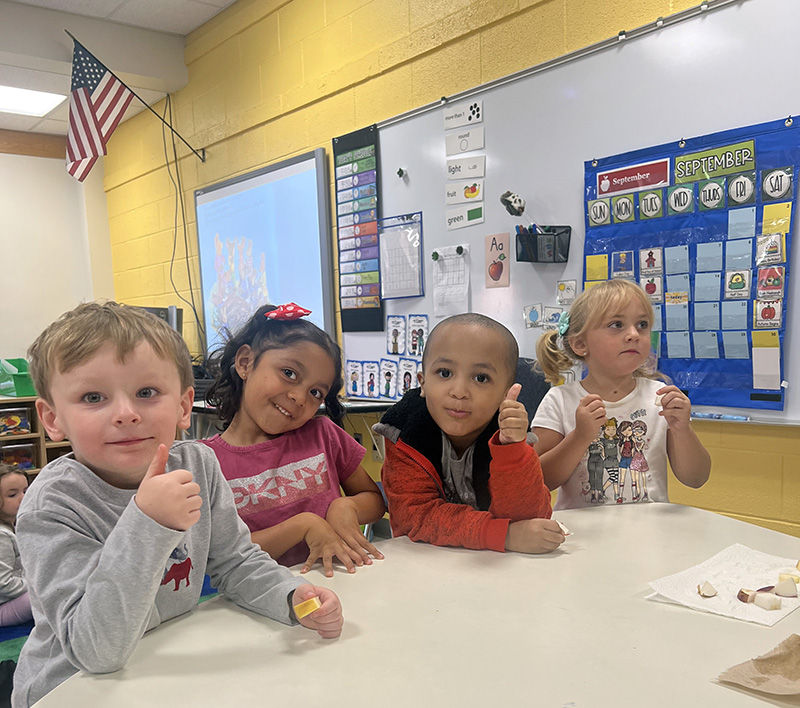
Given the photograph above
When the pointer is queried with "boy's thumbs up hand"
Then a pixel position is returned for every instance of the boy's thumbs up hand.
(513, 418)
(170, 499)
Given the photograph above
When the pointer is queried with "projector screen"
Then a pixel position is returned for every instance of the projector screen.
(264, 237)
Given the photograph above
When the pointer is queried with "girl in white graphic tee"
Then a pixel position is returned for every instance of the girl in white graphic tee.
(608, 329)
(286, 466)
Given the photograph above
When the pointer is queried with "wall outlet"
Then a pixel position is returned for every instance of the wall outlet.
(378, 450)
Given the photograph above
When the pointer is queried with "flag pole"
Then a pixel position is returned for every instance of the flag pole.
(201, 155)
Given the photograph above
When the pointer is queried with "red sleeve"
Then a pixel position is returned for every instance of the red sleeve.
(417, 508)
(516, 484)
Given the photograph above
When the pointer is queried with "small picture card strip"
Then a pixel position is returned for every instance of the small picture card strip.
(533, 315)
(654, 287)
(354, 370)
(388, 378)
(551, 317)
(769, 285)
(737, 284)
(395, 334)
(651, 261)
(565, 292)
(622, 265)
(372, 372)
(407, 372)
(768, 314)
(767, 361)
(770, 249)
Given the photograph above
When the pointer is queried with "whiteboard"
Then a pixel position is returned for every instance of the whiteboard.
(725, 68)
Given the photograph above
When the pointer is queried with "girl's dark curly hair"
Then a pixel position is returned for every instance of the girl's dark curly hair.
(263, 334)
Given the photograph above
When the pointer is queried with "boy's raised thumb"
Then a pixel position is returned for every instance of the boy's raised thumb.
(513, 392)
(159, 463)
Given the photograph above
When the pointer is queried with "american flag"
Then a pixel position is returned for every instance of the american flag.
(97, 103)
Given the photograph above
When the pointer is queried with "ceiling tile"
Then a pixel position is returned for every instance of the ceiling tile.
(176, 16)
(14, 121)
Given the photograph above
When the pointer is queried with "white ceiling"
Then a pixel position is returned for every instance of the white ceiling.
(141, 41)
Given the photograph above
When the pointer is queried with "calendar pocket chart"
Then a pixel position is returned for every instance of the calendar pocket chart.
(712, 251)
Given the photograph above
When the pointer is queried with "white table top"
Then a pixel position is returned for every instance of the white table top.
(448, 627)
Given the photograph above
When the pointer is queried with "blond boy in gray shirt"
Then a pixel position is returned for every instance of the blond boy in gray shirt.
(116, 537)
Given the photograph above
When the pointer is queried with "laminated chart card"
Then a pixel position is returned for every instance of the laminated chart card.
(706, 231)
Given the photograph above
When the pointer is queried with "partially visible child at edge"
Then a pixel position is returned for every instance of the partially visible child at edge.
(272, 376)
(620, 424)
(15, 604)
(459, 470)
(116, 537)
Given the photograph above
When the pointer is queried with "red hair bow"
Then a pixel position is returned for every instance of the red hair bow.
(289, 311)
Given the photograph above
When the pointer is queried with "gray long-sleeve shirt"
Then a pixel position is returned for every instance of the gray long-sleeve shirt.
(12, 582)
(101, 573)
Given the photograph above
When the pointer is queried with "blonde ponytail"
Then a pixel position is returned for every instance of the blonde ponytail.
(551, 358)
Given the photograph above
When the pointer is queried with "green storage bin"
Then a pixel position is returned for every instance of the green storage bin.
(15, 379)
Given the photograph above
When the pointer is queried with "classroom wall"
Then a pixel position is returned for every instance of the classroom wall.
(269, 79)
(50, 263)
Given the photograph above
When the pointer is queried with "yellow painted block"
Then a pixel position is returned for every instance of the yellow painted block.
(741, 482)
(335, 116)
(300, 19)
(451, 69)
(282, 73)
(247, 150)
(307, 607)
(383, 96)
(424, 12)
(379, 23)
(524, 40)
(590, 21)
(329, 49)
(260, 40)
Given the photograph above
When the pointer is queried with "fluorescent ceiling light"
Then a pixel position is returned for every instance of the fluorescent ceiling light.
(27, 102)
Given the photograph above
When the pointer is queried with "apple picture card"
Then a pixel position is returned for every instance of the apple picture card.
(497, 248)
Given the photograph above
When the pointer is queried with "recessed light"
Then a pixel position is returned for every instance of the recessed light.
(27, 102)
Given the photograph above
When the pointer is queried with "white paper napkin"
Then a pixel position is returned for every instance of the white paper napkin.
(730, 570)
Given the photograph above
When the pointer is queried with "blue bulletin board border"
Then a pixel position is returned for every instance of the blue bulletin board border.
(621, 217)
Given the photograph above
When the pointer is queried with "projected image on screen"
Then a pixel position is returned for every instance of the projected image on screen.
(263, 239)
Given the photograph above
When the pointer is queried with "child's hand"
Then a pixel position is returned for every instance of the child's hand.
(589, 416)
(513, 418)
(534, 536)
(328, 619)
(172, 500)
(343, 517)
(676, 407)
(323, 542)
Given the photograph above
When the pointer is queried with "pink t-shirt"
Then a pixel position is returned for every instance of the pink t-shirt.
(301, 470)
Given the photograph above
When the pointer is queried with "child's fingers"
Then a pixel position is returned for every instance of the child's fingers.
(513, 392)
(159, 463)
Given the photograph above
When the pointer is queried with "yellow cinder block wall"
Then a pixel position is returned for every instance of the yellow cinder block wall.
(269, 79)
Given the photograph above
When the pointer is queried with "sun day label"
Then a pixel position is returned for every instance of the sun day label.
(599, 212)
(466, 167)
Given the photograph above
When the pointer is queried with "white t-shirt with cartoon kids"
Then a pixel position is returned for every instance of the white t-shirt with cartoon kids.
(627, 462)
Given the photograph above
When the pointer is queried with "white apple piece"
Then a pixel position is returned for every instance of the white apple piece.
(658, 400)
(767, 601)
(745, 595)
(786, 588)
(791, 576)
(706, 589)
(563, 528)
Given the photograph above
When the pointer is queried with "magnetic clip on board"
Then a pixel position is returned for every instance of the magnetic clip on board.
(549, 246)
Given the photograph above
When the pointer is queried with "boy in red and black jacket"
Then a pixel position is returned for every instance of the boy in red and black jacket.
(459, 470)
